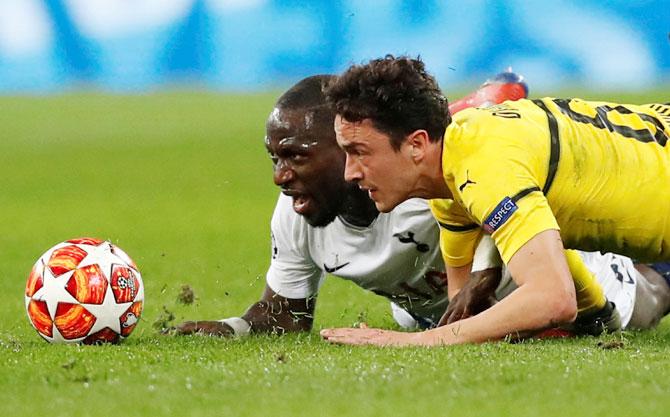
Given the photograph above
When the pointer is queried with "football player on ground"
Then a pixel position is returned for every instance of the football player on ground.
(537, 175)
(323, 225)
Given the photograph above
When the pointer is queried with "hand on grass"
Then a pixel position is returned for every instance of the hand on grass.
(367, 336)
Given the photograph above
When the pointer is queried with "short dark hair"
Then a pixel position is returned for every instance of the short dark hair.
(309, 95)
(396, 94)
(306, 94)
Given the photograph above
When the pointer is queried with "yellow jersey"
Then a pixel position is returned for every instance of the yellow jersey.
(598, 172)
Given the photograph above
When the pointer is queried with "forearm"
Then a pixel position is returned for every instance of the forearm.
(457, 277)
(277, 314)
(524, 309)
(545, 297)
(272, 314)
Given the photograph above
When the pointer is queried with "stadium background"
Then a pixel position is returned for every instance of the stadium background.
(240, 45)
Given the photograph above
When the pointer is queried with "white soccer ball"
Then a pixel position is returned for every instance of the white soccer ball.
(84, 290)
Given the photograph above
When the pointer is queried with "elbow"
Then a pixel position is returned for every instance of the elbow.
(563, 310)
(560, 307)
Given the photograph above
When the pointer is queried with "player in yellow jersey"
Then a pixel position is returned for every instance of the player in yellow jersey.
(538, 175)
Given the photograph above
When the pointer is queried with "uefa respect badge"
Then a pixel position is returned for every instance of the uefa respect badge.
(500, 214)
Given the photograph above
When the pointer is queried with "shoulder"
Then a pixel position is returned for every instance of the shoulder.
(472, 132)
(484, 122)
(483, 137)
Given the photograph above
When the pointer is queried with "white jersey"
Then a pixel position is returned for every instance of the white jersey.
(397, 256)
(618, 277)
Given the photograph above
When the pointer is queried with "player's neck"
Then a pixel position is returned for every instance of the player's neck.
(358, 209)
(430, 181)
(438, 186)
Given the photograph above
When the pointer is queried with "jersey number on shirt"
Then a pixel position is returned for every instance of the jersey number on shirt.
(504, 111)
(602, 121)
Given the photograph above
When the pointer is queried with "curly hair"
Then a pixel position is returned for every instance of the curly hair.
(396, 94)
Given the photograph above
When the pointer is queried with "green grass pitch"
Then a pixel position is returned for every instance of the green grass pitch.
(182, 182)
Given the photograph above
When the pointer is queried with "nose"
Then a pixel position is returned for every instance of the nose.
(283, 173)
(352, 169)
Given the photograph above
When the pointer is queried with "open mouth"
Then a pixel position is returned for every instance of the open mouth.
(301, 204)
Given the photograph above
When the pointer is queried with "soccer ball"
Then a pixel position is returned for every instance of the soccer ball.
(84, 290)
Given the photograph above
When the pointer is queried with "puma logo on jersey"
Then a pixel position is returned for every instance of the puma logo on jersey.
(467, 182)
(332, 269)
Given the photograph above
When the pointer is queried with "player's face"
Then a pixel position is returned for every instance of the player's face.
(385, 173)
(308, 165)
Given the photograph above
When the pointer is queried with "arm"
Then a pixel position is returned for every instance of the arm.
(545, 297)
(457, 278)
(271, 314)
(277, 314)
(477, 295)
(652, 297)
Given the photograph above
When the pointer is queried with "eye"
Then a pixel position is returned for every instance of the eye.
(356, 152)
(296, 157)
(351, 151)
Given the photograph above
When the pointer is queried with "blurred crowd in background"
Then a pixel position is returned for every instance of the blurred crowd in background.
(250, 45)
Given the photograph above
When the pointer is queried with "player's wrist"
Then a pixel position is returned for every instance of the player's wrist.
(240, 326)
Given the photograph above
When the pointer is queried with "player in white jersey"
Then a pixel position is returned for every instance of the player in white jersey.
(396, 256)
(324, 225)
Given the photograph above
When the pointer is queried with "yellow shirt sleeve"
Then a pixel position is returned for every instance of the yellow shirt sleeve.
(459, 235)
(531, 217)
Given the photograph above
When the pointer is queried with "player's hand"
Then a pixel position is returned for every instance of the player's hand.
(466, 303)
(367, 336)
(208, 328)
(477, 295)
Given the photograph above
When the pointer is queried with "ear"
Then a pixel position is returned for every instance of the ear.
(418, 143)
